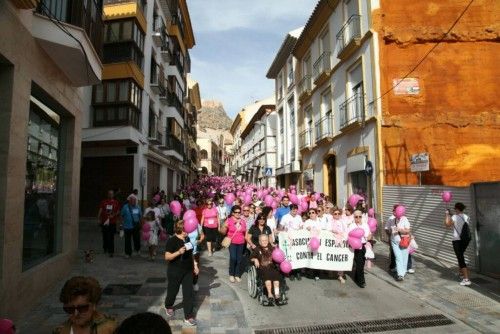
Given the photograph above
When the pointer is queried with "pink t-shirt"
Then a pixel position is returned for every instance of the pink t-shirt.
(237, 234)
(210, 217)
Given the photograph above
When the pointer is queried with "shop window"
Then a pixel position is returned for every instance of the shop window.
(41, 188)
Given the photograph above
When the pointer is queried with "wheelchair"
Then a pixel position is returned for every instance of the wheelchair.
(257, 289)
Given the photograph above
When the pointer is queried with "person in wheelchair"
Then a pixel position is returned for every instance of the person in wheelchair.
(267, 272)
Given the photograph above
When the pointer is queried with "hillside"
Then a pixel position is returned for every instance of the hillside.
(213, 116)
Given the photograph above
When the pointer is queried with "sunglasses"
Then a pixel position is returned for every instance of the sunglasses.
(237, 212)
(357, 217)
(80, 308)
(246, 210)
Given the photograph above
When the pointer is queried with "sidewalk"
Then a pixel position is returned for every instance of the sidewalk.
(138, 285)
(438, 285)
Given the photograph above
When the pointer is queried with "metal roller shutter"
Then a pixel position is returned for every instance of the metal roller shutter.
(425, 210)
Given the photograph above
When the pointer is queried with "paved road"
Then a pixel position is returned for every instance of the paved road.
(225, 307)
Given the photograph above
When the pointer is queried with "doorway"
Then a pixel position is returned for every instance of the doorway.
(329, 169)
(487, 205)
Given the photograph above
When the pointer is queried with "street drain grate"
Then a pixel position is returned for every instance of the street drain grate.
(370, 326)
(121, 289)
(467, 299)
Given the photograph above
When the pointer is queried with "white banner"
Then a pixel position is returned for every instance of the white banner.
(331, 255)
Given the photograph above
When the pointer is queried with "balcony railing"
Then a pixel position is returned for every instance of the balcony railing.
(86, 14)
(173, 101)
(159, 32)
(350, 30)
(304, 85)
(305, 139)
(322, 65)
(324, 127)
(157, 80)
(166, 49)
(352, 110)
(172, 143)
(177, 61)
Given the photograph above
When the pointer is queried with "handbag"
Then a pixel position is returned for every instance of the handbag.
(405, 241)
(226, 242)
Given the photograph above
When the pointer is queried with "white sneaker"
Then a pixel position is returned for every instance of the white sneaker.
(196, 287)
(238, 279)
(341, 279)
(411, 271)
(465, 282)
(231, 279)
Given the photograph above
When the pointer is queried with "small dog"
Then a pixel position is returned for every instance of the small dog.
(89, 256)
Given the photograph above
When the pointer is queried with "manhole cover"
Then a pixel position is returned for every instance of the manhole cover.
(121, 289)
(156, 280)
(382, 325)
(466, 299)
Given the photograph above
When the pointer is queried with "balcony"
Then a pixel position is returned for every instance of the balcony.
(157, 81)
(324, 128)
(322, 68)
(165, 50)
(116, 116)
(349, 37)
(304, 87)
(173, 101)
(352, 112)
(173, 146)
(305, 139)
(75, 44)
(159, 31)
(177, 62)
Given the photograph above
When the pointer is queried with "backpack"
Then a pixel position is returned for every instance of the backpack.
(465, 234)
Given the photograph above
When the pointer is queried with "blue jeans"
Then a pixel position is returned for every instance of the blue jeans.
(235, 256)
(401, 255)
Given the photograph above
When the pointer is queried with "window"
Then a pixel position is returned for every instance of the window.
(359, 183)
(326, 103)
(41, 219)
(204, 154)
(290, 71)
(279, 86)
(123, 91)
(174, 128)
(98, 94)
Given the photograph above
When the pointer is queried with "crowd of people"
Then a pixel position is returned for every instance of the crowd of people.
(248, 224)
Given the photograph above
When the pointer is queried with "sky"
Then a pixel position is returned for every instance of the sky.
(236, 42)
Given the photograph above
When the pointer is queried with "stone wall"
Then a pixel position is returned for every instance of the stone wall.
(455, 117)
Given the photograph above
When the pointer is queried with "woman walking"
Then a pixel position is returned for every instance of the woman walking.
(236, 229)
(210, 223)
(400, 229)
(458, 222)
(181, 266)
(359, 254)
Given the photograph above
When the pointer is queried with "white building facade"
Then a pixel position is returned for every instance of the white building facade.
(337, 90)
(282, 70)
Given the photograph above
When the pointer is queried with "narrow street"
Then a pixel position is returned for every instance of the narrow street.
(224, 307)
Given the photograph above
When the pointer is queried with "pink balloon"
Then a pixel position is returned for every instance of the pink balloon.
(304, 206)
(286, 267)
(446, 196)
(268, 200)
(247, 199)
(176, 208)
(229, 198)
(354, 243)
(190, 224)
(314, 244)
(400, 211)
(317, 196)
(371, 212)
(163, 236)
(411, 250)
(357, 233)
(145, 236)
(146, 228)
(278, 255)
(372, 224)
(189, 214)
(354, 199)
(294, 199)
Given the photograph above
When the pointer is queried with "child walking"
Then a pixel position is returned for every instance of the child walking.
(154, 231)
